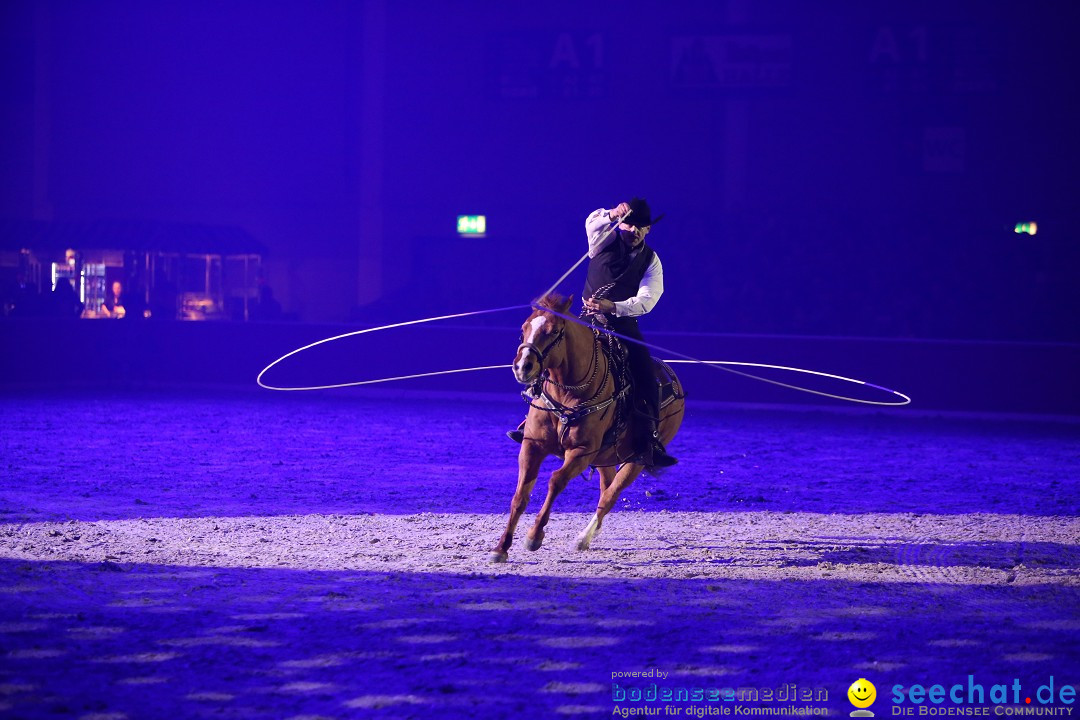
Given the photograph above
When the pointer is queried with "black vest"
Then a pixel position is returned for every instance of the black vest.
(613, 266)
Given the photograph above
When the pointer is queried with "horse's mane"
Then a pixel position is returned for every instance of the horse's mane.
(551, 301)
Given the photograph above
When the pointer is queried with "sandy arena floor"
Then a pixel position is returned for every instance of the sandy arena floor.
(265, 555)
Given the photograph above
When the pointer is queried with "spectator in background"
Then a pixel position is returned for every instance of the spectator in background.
(65, 303)
(135, 305)
(163, 297)
(113, 306)
(268, 308)
(25, 301)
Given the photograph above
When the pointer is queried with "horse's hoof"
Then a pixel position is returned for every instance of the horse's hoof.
(534, 543)
(497, 556)
(584, 540)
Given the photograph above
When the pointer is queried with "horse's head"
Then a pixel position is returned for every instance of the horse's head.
(542, 333)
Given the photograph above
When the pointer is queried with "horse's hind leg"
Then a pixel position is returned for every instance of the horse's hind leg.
(573, 465)
(611, 486)
(529, 458)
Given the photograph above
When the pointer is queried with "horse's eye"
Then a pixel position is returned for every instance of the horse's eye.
(521, 337)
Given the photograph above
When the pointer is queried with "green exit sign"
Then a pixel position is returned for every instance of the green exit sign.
(472, 225)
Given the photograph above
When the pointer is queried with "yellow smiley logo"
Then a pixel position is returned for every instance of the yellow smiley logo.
(862, 693)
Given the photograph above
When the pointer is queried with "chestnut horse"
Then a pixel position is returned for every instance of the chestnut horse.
(578, 379)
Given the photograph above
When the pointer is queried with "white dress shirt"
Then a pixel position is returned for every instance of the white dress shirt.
(652, 284)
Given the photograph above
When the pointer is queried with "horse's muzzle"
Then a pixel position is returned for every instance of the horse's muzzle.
(526, 367)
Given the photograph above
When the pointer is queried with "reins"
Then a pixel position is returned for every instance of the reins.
(569, 415)
(595, 366)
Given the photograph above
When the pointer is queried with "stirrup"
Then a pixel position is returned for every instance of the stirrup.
(659, 454)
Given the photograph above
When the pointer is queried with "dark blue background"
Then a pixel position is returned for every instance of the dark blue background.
(856, 170)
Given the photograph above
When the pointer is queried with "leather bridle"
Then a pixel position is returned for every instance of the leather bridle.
(542, 354)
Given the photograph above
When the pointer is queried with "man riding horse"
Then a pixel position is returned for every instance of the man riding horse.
(625, 280)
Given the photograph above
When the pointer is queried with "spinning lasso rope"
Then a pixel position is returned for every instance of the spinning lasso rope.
(723, 365)
(299, 350)
(682, 358)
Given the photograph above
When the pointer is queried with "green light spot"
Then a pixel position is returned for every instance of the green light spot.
(474, 225)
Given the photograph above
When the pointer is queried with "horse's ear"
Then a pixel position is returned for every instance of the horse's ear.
(565, 309)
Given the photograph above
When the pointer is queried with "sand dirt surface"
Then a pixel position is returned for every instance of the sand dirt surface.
(190, 555)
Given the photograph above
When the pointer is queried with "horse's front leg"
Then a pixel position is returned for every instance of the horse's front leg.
(574, 463)
(611, 486)
(529, 458)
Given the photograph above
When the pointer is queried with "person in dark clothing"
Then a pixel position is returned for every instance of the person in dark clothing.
(65, 303)
(25, 299)
(268, 308)
(625, 280)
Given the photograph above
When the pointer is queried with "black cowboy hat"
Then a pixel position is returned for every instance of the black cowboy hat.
(640, 216)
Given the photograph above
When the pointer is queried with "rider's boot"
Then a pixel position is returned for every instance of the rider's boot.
(660, 457)
(650, 451)
(517, 434)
